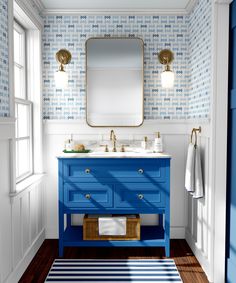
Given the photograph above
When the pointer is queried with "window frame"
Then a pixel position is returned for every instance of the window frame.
(23, 101)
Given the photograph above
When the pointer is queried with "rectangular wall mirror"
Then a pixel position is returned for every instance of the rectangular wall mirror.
(114, 82)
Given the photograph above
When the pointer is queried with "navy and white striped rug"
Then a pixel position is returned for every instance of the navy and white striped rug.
(113, 271)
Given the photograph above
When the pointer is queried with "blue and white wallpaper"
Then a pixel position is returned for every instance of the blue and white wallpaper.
(4, 89)
(158, 32)
(188, 36)
(200, 50)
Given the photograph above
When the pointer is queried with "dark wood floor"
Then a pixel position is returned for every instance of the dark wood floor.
(188, 266)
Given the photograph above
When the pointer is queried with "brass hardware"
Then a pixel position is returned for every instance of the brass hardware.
(165, 57)
(140, 171)
(87, 171)
(194, 131)
(140, 196)
(63, 56)
(88, 196)
(113, 139)
(123, 147)
(106, 147)
(86, 80)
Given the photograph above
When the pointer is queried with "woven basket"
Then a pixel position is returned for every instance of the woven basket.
(90, 229)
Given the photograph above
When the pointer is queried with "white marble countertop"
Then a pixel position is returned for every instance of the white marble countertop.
(128, 154)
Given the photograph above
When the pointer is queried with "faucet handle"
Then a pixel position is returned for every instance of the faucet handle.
(106, 147)
(123, 147)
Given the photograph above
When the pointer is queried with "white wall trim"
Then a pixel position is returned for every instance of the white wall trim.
(115, 11)
(30, 11)
(223, 2)
(8, 120)
(177, 232)
(156, 11)
(39, 4)
(190, 6)
(218, 154)
(25, 186)
(65, 127)
(7, 129)
(25, 261)
(205, 264)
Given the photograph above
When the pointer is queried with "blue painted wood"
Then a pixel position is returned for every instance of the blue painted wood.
(116, 186)
(88, 195)
(150, 237)
(231, 190)
(61, 209)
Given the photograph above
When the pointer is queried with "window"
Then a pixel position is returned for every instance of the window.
(23, 107)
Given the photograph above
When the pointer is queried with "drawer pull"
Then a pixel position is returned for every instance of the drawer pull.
(87, 170)
(140, 196)
(88, 196)
(140, 171)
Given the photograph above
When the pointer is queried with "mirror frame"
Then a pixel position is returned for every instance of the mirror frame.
(86, 98)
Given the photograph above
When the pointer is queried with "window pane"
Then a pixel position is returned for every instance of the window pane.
(23, 157)
(23, 119)
(17, 47)
(19, 82)
(16, 115)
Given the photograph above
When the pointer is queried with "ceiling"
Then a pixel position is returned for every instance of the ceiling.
(115, 4)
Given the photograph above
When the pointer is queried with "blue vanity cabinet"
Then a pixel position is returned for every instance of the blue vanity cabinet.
(114, 186)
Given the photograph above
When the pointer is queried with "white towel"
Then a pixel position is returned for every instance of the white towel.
(112, 226)
(198, 184)
(189, 174)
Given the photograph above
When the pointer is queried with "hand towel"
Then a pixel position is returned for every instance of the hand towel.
(198, 184)
(112, 226)
(189, 173)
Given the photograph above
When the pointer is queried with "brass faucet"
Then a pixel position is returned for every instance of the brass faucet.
(113, 139)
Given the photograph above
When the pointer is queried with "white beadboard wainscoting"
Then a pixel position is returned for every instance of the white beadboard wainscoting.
(21, 214)
(190, 219)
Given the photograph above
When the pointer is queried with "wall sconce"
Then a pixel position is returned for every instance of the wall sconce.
(167, 76)
(63, 56)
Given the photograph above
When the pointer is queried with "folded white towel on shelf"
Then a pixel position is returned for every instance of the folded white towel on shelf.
(189, 173)
(112, 226)
(198, 184)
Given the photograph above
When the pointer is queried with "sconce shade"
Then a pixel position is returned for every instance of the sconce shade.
(167, 79)
(165, 57)
(61, 79)
(63, 56)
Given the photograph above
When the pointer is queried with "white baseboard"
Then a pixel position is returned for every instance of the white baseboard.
(25, 261)
(51, 233)
(204, 262)
(177, 232)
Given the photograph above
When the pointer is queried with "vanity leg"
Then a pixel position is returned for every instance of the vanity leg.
(68, 220)
(161, 220)
(61, 248)
(167, 233)
(61, 234)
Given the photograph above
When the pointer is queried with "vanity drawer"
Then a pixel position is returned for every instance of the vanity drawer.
(91, 195)
(140, 195)
(94, 169)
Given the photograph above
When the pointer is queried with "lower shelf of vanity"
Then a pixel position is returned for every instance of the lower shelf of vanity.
(151, 236)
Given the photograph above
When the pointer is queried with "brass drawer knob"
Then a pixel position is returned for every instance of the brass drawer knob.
(140, 196)
(87, 170)
(88, 196)
(140, 171)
